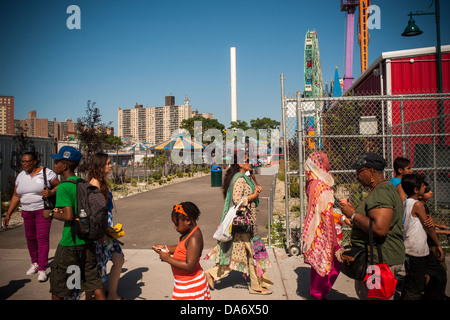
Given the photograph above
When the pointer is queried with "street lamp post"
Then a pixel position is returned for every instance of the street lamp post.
(413, 30)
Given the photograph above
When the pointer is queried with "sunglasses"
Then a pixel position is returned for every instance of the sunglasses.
(361, 170)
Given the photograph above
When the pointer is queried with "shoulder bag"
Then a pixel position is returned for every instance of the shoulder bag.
(379, 279)
(49, 202)
(223, 232)
(354, 259)
(242, 222)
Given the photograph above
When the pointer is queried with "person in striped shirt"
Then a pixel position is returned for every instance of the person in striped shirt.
(189, 279)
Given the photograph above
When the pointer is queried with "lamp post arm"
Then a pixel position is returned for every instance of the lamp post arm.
(421, 13)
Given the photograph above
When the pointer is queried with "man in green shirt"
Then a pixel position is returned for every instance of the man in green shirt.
(75, 264)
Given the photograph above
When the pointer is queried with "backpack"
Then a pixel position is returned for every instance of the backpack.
(93, 202)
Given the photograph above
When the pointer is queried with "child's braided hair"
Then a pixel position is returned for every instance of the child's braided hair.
(188, 208)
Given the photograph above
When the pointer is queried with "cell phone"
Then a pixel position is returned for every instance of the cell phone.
(157, 249)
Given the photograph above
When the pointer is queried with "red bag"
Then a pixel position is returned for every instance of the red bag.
(380, 281)
(379, 278)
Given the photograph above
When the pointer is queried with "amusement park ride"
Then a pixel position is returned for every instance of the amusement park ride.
(313, 72)
(349, 6)
(312, 67)
(313, 87)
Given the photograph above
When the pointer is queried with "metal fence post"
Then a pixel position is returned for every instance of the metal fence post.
(269, 221)
(301, 161)
(286, 163)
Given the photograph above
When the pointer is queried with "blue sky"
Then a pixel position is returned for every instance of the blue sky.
(139, 51)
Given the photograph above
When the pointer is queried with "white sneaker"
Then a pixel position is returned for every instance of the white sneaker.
(33, 269)
(42, 277)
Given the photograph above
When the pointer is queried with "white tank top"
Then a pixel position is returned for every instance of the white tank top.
(414, 234)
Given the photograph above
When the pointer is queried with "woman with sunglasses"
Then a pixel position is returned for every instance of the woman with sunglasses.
(384, 207)
(28, 191)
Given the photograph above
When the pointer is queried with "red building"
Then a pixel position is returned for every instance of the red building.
(404, 72)
(407, 72)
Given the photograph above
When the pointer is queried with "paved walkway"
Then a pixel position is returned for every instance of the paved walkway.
(146, 220)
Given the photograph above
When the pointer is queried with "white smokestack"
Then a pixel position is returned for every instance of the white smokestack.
(233, 84)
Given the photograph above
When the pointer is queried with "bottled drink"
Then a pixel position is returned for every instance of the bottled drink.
(84, 222)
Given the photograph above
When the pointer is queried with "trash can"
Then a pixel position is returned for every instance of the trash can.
(216, 176)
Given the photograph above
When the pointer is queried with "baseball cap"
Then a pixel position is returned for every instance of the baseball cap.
(67, 153)
(369, 160)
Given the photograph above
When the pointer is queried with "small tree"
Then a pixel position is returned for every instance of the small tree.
(207, 123)
(239, 124)
(264, 123)
(92, 135)
(23, 144)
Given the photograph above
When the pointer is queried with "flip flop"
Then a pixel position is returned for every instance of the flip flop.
(265, 292)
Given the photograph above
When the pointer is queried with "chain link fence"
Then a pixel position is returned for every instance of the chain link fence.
(415, 127)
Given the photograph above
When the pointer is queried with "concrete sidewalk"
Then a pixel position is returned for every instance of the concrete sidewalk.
(146, 277)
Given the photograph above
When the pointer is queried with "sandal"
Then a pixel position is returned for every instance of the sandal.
(210, 280)
(262, 292)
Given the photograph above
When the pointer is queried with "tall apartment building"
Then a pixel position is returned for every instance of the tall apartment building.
(152, 125)
(42, 127)
(6, 115)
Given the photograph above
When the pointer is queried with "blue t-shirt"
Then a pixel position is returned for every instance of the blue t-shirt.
(395, 181)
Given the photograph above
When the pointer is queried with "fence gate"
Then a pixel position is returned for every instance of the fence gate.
(416, 127)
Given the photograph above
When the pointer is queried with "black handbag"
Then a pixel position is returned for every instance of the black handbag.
(49, 202)
(355, 262)
(242, 222)
(355, 259)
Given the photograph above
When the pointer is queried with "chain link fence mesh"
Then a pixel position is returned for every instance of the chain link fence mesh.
(415, 127)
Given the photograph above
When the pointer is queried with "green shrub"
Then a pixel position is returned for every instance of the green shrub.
(157, 175)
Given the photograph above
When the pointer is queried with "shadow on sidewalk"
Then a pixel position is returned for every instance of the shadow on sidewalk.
(12, 287)
(303, 283)
(130, 283)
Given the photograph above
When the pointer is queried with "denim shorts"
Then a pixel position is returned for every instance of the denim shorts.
(74, 267)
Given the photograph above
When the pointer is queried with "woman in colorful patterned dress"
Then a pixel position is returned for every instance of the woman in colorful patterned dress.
(245, 252)
(320, 238)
